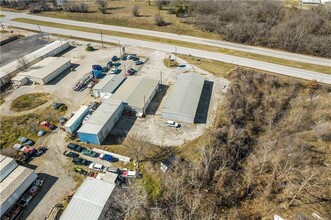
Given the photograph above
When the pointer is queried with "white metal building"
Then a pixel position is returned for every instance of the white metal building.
(137, 92)
(20, 80)
(46, 70)
(73, 123)
(15, 180)
(11, 69)
(98, 126)
(89, 200)
(183, 100)
(107, 85)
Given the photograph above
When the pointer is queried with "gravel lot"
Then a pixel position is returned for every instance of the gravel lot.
(56, 168)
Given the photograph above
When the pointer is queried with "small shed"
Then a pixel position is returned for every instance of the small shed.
(168, 163)
(98, 126)
(107, 85)
(75, 121)
(20, 80)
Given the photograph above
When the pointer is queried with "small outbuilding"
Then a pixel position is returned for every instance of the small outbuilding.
(46, 70)
(98, 126)
(108, 85)
(137, 92)
(168, 163)
(75, 121)
(183, 100)
(20, 80)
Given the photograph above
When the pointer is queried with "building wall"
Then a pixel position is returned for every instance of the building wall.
(177, 117)
(57, 72)
(73, 127)
(147, 101)
(17, 194)
(89, 138)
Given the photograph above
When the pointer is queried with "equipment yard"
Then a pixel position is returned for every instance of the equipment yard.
(58, 170)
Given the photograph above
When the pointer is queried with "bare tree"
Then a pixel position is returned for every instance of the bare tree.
(102, 6)
(158, 20)
(136, 11)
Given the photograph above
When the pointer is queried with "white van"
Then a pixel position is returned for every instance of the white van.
(96, 167)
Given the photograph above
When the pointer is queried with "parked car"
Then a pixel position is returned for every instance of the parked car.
(109, 64)
(105, 69)
(129, 173)
(90, 153)
(131, 56)
(29, 142)
(80, 170)
(79, 161)
(57, 105)
(75, 147)
(115, 70)
(70, 154)
(47, 125)
(25, 199)
(63, 120)
(22, 140)
(117, 64)
(41, 133)
(172, 124)
(19, 147)
(114, 58)
(131, 72)
(96, 167)
(135, 58)
(124, 57)
(113, 170)
(106, 157)
(139, 62)
(41, 150)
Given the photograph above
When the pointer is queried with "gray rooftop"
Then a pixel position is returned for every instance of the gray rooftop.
(45, 67)
(109, 83)
(89, 200)
(7, 165)
(134, 89)
(100, 117)
(185, 95)
(82, 110)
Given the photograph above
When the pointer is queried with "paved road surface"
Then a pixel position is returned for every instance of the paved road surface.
(215, 43)
(275, 68)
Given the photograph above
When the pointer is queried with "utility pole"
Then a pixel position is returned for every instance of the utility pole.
(101, 38)
(119, 46)
(2, 26)
(48, 37)
(144, 105)
(60, 40)
(39, 28)
(176, 54)
(161, 77)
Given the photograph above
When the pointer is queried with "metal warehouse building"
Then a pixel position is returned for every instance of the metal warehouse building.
(89, 200)
(73, 123)
(107, 85)
(98, 126)
(183, 100)
(11, 69)
(137, 92)
(46, 70)
(15, 180)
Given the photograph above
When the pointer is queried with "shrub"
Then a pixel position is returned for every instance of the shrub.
(158, 20)
(136, 11)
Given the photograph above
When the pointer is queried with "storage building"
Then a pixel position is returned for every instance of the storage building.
(46, 70)
(11, 69)
(98, 126)
(137, 92)
(107, 85)
(15, 180)
(75, 121)
(183, 100)
(89, 200)
(20, 80)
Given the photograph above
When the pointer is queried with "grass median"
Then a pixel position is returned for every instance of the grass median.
(290, 63)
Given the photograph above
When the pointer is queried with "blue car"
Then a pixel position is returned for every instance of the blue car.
(114, 58)
(106, 157)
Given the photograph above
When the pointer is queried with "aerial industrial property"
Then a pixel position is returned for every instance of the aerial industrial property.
(148, 113)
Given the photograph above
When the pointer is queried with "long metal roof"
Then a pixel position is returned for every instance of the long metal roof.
(45, 67)
(185, 95)
(134, 89)
(109, 83)
(13, 181)
(83, 109)
(7, 165)
(38, 54)
(100, 117)
(89, 200)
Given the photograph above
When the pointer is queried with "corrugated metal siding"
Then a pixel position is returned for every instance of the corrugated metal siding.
(7, 165)
(89, 200)
(72, 124)
(109, 84)
(184, 97)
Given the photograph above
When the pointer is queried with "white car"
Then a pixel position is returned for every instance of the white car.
(172, 124)
(96, 167)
